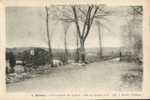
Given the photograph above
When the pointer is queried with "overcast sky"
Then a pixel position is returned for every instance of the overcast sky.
(25, 27)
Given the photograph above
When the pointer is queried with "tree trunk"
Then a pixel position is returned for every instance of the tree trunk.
(66, 50)
(82, 52)
(48, 38)
(77, 49)
(100, 41)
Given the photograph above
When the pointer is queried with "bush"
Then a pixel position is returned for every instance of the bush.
(40, 57)
(11, 60)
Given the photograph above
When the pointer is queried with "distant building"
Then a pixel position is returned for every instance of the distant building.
(32, 52)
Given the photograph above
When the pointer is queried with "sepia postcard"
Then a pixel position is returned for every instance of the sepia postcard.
(74, 49)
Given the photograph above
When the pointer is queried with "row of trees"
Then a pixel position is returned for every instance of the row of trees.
(83, 18)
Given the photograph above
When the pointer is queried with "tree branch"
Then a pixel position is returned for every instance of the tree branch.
(82, 11)
(76, 21)
(92, 18)
(90, 22)
(86, 20)
(66, 20)
(138, 10)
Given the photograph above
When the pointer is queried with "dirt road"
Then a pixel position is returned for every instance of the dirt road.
(99, 76)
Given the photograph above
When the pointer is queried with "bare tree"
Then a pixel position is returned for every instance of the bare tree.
(133, 30)
(48, 37)
(137, 12)
(83, 17)
(66, 27)
(89, 17)
(100, 39)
